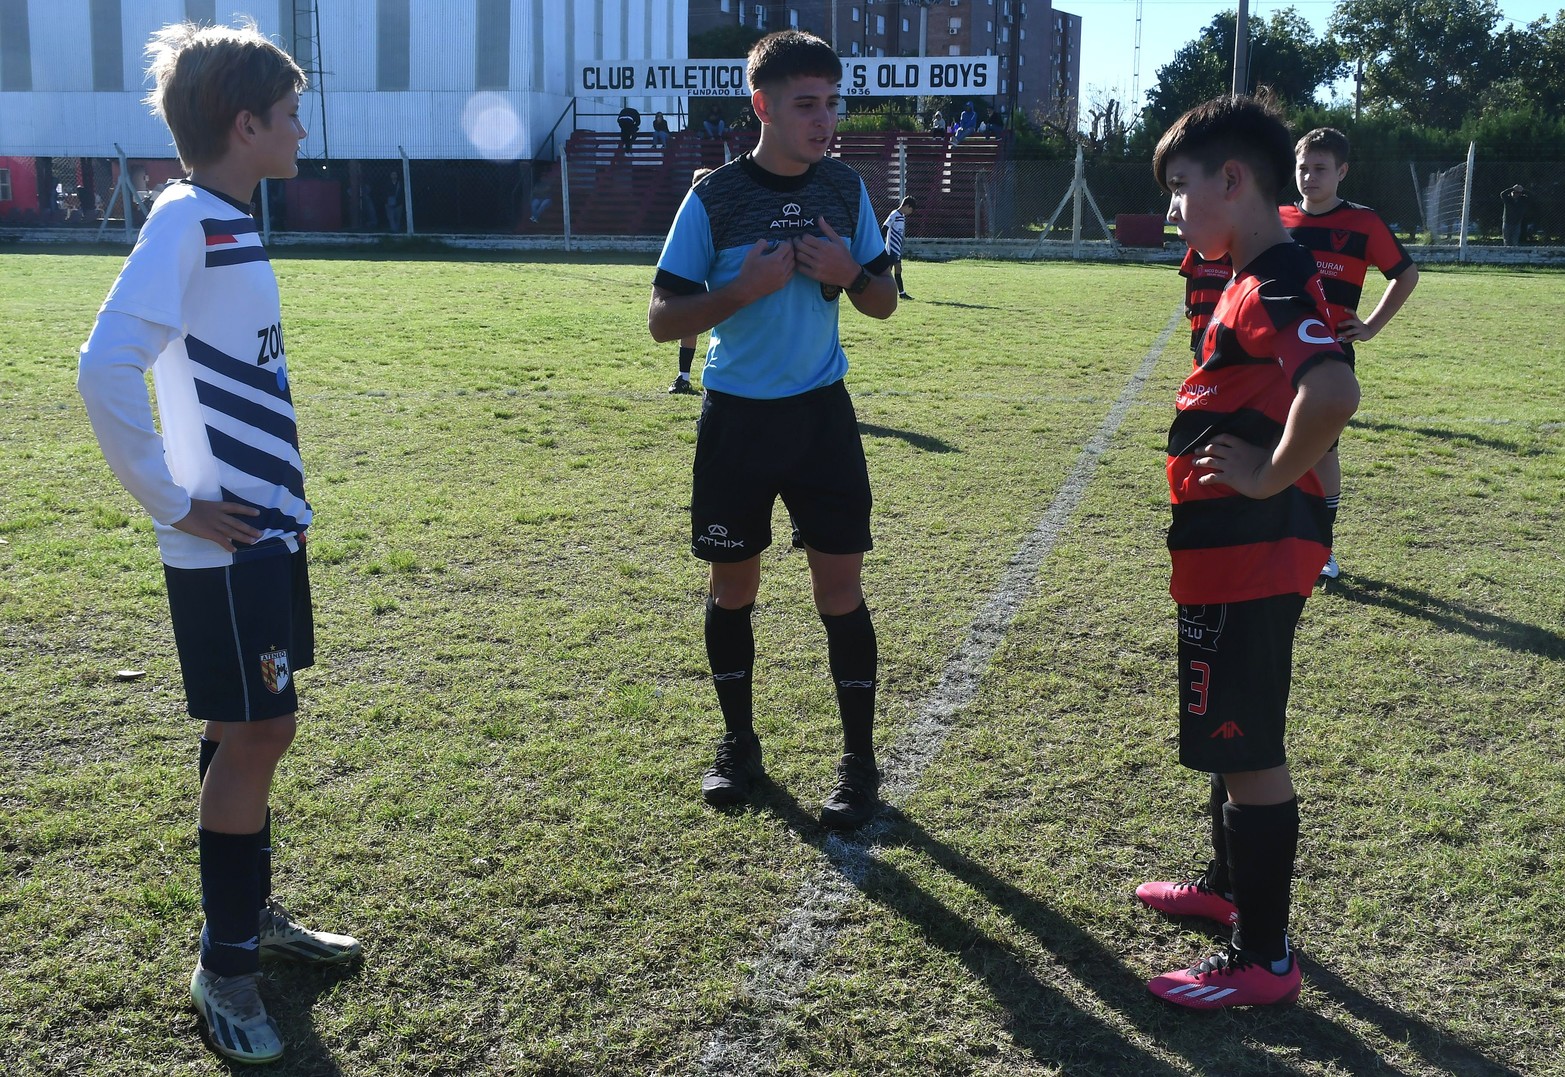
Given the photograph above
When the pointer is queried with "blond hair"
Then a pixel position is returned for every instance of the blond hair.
(204, 76)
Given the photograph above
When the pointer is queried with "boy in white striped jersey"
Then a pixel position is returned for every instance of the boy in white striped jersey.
(196, 302)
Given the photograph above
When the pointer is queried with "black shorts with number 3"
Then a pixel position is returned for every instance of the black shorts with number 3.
(1235, 669)
(804, 449)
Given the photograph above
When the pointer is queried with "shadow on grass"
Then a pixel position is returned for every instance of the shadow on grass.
(289, 997)
(1447, 615)
(1044, 1016)
(1438, 433)
(918, 441)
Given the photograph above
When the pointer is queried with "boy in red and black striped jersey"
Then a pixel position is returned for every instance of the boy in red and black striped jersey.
(1204, 282)
(1347, 239)
(1269, 392)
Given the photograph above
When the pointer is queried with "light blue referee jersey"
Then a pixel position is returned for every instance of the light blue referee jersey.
(785, 343)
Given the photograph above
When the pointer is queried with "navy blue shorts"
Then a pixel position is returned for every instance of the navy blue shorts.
(1235, 669)
(242, 632)
(805, 449)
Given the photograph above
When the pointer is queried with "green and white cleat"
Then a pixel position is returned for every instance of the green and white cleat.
(280, 935)
(236, 1021)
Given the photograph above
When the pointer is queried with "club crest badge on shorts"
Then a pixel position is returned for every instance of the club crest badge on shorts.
(1201, 626)
(274, 671)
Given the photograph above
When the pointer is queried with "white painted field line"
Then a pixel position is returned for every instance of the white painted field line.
(745, 1044)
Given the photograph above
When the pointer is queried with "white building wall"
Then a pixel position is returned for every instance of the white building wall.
(550, 40)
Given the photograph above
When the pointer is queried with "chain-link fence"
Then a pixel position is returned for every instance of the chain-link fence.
(603, 185)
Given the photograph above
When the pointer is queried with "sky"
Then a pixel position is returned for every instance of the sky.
(1108, 34)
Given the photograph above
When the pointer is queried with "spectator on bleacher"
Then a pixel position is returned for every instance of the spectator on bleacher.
(967, 124)
(938, 122)
(629, 124)
(714, 127)
(659, 131)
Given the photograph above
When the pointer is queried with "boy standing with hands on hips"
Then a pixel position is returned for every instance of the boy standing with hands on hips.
(1268, 394)
(224, 485)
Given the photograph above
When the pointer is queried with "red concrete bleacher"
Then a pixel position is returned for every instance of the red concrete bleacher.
(637, 192)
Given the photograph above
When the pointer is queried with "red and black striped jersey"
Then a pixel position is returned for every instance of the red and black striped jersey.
(1266, 333)
(1204, 282)
(1346, 241)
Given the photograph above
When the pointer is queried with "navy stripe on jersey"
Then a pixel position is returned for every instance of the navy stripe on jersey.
(256, 462)
(239, 226)
(248, 412)
(233, 256)
(1242, 521)
(219, 362)
(268, 520)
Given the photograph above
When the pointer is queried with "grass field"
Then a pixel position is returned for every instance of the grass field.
(495, 783)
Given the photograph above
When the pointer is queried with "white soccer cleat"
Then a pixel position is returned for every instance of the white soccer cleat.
(236, 1021)
(1330, 570)
(280, 935)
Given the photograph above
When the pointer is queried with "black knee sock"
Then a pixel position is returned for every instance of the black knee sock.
(686, 357)
(730, 648)
(850, 643)
(1217, 878)
(1262, 843)
(229, 868)
(203, 763)
(897, 274)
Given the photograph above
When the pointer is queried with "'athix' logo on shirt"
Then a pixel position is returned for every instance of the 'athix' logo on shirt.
(793, 217)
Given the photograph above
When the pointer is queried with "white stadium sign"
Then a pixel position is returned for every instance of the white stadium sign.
(885, 76)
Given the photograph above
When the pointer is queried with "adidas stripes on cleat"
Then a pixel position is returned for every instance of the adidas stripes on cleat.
(1229, 979)
(282, 936)
(236, 1021)
(1193, 897)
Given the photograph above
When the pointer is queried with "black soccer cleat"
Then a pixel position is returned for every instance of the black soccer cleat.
(682, 387)
(857, 797)
(736, 769)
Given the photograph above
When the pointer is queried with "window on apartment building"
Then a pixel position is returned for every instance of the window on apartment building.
(722, 5)
(956, 23)
(108, 43)
(1002, 85)
(906, 26)
(5, 185)
(855, 14)
(953, 50)
(1005, 34)
(988, 26)
(853, 48)
(492, 61)
(793, 18)
(880, 25)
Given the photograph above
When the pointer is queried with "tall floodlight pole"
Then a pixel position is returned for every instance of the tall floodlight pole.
(1135, 66)
(1242, 49)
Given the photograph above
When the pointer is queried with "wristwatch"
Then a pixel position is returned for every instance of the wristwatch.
(860, 282)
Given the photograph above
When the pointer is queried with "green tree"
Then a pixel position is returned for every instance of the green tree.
(1533, 62)
(1284, 54)
(1429, 60)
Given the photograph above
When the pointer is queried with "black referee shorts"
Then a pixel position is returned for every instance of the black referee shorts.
(1235, 669)
(805, 449)
(242, 631)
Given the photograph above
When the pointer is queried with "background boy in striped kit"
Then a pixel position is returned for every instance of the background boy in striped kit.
(687, 345)
(895, 232)
(1347, 239)
(223, 482)
(1268, 393)
(1204, 282)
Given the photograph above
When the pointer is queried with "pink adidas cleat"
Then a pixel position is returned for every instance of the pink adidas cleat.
(1192, 897)
(1228, 979)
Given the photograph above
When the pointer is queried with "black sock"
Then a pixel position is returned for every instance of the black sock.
(264, 860)
(1262, 842)
(203, 764)
(850, 643)
(730, 648)
(1217, 878)
(229, 864)
(204, 760)
(686, 357)
(897, 274)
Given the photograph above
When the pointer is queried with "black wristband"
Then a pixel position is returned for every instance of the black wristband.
(860, 282)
